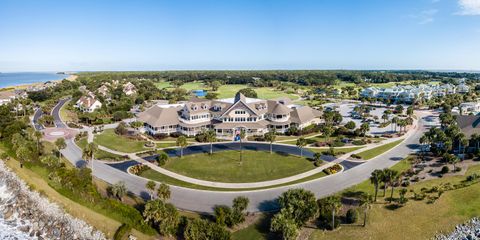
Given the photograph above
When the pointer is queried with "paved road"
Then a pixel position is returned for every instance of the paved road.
(36, 116)
(260, 200)
(56, 113)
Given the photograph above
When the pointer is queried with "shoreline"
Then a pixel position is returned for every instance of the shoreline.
(71, 77)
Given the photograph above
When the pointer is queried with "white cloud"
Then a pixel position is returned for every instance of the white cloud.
(425, 16)
(469, 7)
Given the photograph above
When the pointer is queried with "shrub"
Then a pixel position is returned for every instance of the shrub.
(352, 216)
(333, 169)
(139, 169)
(121, 129)
(337, 144)
(160, 136)
(358, 142)
(473, 177)
(203, 229)
(176, 134)
(419, 196)
(318, 163)
(445, 169)
(201, 137)
(123, 230)
(162, 159)
(458, 169)
(356, 156)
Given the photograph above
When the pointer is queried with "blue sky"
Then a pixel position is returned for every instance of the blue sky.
(158, 35)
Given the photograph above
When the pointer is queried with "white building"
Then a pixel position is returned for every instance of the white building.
(88, 103)
(129, 89)
(469, 108)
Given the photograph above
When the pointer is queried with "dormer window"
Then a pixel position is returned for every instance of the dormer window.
(240, 112)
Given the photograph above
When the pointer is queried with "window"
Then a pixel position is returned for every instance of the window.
(240, 112)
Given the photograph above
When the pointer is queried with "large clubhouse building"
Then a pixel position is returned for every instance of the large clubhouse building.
(228, 116)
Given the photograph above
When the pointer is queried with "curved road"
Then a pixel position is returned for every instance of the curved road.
(260, 200)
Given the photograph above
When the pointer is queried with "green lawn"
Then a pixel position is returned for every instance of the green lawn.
(225, 166)
(369, 154)
(166, 144)
(228, 91)
(100, 154)
(156, 176)
(119, 143)
(335, 150)
(188, 86)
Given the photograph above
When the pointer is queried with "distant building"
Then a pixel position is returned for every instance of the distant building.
(409, 93)
(228, 116)
(129, 89)
(8, 96)
(469, 108)
(103, 90)
(88, 103)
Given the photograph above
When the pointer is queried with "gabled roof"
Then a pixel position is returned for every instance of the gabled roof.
(240, 100)
(157, 116)
(469, 124)
(304, 114)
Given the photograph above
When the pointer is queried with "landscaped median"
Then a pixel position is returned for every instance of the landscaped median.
(371, 153)
(256, 166)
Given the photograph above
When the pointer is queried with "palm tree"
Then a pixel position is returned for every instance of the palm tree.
(211, 137)
(334, 203)
(150, 186)
(301, 142)
(182, 143)
(391, 177)
(365, 201)
(60, 144)
(119, 190)
(395, 121)
(38, 137)
(364, 128)
(271, 136)
(385, 117)
(375, 179)
(163, 191)
(89, 153)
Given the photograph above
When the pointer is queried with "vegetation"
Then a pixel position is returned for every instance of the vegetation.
(111, 140)
(224, 166)
(371, 153)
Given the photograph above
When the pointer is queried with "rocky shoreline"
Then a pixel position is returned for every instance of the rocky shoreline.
(34, 215)
(467, 231)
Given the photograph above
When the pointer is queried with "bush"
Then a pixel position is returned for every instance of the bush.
(473, 177)
(162, 159)
(358, 142)
(139, 169)
(199, 229)
(356, 156)
(201, 137)
(352, 216)
(337, 144)
(445, 169)
(176, 134)
(123, 230)
(160, 136)
(458, 169)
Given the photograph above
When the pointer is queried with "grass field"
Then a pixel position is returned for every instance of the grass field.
(67, 115)
(188, 86)
(156, 176)
(100, 154)
(371, 153)
(225, 166)
(228, 91)
(119, 143)
(416, 220)
(335, 150)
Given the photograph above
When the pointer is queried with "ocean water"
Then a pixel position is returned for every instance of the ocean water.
(20, 78)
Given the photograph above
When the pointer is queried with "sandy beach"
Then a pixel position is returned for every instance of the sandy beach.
(25, 86)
